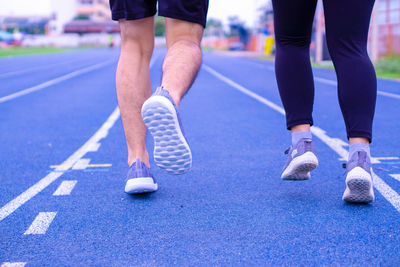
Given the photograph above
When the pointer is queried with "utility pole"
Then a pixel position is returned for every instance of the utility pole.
(319, 34)
(375, 33)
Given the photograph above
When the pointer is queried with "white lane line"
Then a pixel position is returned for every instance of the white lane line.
(244, 90)
(54, 81)
(335, 144)
(261, 65)
(94, 147)
(17, 202)
(35, 189)
(41, 223)
(48, 66)
(13, 264)
(326, 81)
(389, 94)
(81, 164)
(334, 83)
(65, 188)
(396, 176)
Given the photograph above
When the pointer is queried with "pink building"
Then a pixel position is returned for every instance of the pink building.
(387, 15)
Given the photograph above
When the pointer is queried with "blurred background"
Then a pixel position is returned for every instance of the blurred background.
(243, 28)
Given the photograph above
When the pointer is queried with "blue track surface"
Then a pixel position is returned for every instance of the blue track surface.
(231, 209)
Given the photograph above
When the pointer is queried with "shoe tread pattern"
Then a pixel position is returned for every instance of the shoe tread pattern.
(170, 151)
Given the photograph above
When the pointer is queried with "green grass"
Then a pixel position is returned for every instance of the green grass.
(388, 67)
(267, 58)
(19, 51)
(327, 65)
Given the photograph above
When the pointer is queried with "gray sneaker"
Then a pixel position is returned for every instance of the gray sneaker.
(140, 179)
(359, 186)
(301, 160)
(171, 150)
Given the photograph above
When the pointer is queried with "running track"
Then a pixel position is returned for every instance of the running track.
(63, 166)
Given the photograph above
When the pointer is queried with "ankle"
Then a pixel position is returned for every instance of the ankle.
(301, 128)
(297, 136)
(355, 147)
(355, 140)
(144, 157)
(174, 95)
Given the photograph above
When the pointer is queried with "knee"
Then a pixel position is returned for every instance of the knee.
(136, 40)
(184, 33)
(347, 48)
(293, 41)
(186, 44)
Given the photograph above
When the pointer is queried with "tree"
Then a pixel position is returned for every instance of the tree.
(82, 17)
(214, 28)
(159, 26)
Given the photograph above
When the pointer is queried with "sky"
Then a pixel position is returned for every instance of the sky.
(247, 10)
(25, 7)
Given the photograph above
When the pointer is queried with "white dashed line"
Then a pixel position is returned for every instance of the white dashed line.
(94, 147)
(41, 223)
(396, 176)
(93, 142)
(54, 81)
(335, 144)
(17, 202)
(13, 264)
(65, 188)
(81, 164)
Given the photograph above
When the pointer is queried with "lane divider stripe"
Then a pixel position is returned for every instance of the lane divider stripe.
(54, 81)
(41, 223)
(13, 264)
(396, 176)
(17, 202)
(81, 164)
(35, 189)
(335, 144)
(65, 188)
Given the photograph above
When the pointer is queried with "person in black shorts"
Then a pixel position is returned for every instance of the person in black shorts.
(184, 25)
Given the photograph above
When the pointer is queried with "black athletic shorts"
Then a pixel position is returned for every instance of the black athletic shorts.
(188, 10)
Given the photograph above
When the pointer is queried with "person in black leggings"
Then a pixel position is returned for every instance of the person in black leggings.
(347, 24)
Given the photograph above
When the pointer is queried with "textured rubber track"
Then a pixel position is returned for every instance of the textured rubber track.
(171, 151)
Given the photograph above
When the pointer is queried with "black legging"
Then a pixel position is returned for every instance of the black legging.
(347, 23)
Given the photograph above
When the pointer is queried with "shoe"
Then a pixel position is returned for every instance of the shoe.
(140, 179)
(301, 161)
(171, 150)
(359, 186)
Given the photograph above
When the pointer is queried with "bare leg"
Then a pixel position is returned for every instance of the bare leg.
(133, 83)
(183, 59)
(300, 128)
(306, 128)
(354, 140)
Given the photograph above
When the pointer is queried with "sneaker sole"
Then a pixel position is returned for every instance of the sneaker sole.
(359, 187)
(300, 167)
(171, 151)
(140, 186)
